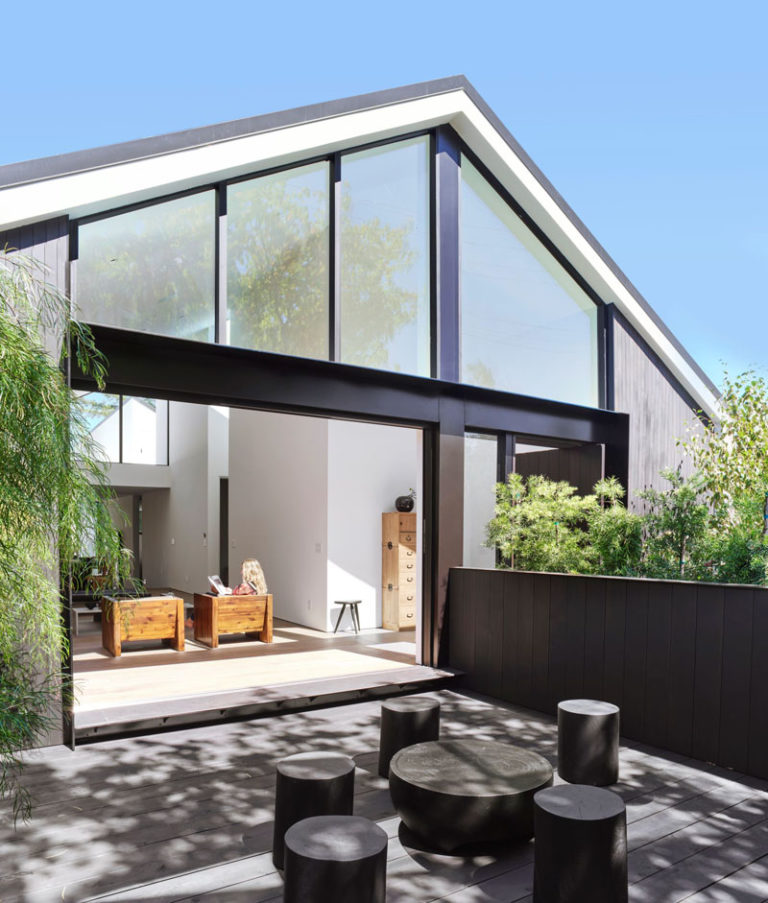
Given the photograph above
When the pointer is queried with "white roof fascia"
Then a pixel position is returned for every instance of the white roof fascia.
(82, 193)
(117, 184)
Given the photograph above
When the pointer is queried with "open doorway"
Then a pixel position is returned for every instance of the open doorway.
(303, 495)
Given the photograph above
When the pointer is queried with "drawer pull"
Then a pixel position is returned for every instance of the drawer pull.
(409, 614)
(389, 545)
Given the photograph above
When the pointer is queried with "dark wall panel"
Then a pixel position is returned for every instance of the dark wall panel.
(615, 630)
(659, 409)
(655, 716)
(594, 640)
(635, 649)
(47, 242)
(581, 467)
(708, 673)
(736, 672)
(682, 664)
(757, 752)
(684, 661)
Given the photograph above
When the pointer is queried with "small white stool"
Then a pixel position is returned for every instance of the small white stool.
(78, 613)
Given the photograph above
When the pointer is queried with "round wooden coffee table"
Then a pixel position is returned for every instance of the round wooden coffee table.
(454, 792)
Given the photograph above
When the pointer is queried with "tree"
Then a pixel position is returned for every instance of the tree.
(676, 528)
(732, 457)
(616, 535)
(49, 507)
(539, 525)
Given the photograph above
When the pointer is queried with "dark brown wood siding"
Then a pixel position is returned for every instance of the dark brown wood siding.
(47, 242)
(581, 467)
(684, 661)
(660, 411)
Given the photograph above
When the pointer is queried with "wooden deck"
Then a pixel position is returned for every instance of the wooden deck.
(187, 816)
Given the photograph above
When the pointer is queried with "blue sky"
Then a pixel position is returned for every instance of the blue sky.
(651, 120)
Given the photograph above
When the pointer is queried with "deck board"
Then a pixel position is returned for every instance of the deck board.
(187, 816)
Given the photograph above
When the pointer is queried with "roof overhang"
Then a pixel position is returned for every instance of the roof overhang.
(88, 182)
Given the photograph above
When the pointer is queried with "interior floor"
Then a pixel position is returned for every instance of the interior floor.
(149, 670)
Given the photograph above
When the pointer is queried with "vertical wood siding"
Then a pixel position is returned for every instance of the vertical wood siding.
(660, 411)
(47, 242)
(685, 662)
(581, 467)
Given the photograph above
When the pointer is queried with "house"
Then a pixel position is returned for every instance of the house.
(381, 278)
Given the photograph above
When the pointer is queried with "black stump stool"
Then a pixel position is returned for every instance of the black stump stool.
(309, 784)
(588, 742)
(580, 851)
(404, 722)
(339, 858)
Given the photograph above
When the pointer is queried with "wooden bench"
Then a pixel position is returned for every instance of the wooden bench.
(148, 618)
(215, 615)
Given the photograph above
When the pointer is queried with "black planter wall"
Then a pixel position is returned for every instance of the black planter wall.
(686, 662)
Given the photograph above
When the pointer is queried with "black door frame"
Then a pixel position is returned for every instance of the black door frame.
(181, 370)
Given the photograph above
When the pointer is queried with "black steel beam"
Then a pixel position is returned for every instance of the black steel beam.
(447, 162)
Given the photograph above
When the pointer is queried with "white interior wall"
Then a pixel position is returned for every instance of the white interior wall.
(278, 497)
(176, 522)
(369, 465)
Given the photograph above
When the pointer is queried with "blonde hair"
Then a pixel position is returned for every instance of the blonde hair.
(252, 573)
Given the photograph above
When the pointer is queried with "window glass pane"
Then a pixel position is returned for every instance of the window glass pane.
(101, 414)
(151, 269)
(480, 471)
(385, 257)
(526, 326)
(277, 270)
(145, 431)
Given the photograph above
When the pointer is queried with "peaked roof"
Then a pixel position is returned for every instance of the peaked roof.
(89, 181)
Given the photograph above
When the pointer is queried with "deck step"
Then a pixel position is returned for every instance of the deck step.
(255, 702)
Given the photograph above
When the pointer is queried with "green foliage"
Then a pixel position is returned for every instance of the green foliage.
(538, 525)
(616, 535)
(675, 528)
(732, 458)
(49, 509)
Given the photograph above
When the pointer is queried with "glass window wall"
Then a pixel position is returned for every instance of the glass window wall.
(126, 429)
(151, 269)
(526, 326)
(384, 304)
(277, 262)
(145, 431)
(101, 415)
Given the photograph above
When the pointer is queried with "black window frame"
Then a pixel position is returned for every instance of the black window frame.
(445, 151)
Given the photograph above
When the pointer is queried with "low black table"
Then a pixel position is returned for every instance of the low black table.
(454, 792)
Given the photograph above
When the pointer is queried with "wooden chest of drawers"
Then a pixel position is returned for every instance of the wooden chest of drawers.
(399, 570)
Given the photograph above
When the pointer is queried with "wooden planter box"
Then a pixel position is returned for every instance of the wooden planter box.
(215, 615)
(151, 618)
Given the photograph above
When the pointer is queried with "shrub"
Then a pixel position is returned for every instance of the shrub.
(539, 525)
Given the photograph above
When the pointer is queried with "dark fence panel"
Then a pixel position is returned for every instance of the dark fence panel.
(686, 662)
